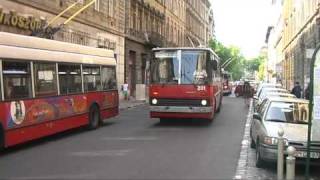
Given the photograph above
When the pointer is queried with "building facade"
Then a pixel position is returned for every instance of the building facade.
(161, 23)
(101, 25)
(273, 70)
(300, 36)
(129, 27)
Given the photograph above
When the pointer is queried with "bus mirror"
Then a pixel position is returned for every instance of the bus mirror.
(214, 65)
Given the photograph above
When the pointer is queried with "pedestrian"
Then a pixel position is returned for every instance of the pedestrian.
(125, 88)
(247, 92)
(307, 92)
(296, 90)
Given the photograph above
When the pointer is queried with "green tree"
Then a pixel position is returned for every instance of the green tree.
(253, 64)
(236, 66)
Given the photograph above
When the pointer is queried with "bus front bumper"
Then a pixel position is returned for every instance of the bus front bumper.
(181, 109)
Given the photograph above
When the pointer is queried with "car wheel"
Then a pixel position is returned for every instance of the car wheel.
(94, 117)
(259, 160)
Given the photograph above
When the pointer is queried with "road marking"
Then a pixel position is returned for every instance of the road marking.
(120, 152)
(241, 171)
(56, 176)
(143, 138)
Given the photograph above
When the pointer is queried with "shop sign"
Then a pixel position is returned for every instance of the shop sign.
(15, 20)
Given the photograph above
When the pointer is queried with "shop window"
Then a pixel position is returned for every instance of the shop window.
(16, 80)
(108, 77)
(70, 79)
(91, 78)
(45, 79)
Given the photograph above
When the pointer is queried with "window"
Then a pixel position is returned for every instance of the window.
(16, 80)
(91, 78)
(45, 79)
(108, 77)
(70, 79)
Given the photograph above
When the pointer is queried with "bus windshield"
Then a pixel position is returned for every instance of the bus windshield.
(165, 67)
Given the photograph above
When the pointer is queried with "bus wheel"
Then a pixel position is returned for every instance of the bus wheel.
(94, 117)
(220, 104)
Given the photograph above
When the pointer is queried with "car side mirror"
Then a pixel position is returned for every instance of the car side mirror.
(257, 116)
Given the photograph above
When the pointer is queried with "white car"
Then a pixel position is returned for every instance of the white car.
(290, 114)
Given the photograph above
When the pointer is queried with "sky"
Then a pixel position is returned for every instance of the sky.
(242, 23)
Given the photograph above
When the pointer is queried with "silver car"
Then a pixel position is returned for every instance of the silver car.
(290, 114)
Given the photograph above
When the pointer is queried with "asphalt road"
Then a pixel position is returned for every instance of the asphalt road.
(133, 146)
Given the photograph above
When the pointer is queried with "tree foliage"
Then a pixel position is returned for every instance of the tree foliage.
(237, 64)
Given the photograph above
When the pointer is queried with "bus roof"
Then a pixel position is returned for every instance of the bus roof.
(34, 48)
(185, 48)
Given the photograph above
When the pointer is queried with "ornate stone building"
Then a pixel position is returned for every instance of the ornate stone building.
(130, 27)
(101, 25)
(198, 22)
(300, 36)
(161, 23)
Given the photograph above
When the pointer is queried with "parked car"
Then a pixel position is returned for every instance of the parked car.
(266, 85)
(238, 91)
(290, 114)
(257, 99)
(279, 94)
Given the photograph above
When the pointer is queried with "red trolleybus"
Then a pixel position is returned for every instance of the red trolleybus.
(49, 86)
(185, 83)
(227, 87)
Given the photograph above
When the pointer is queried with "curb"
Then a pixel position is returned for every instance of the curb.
(241, 171)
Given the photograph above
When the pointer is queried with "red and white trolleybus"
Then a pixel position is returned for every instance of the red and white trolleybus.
(185, 83)
(49, 86)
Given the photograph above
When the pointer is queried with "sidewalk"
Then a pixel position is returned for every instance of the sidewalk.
(129, 104)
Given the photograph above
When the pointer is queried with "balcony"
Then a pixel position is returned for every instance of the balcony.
(152, 39)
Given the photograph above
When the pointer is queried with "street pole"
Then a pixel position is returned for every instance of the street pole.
(290, 163)
(280, 154)
(311, 104)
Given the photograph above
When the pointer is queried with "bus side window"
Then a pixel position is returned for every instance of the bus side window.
(91, 78)
(70, 79)
(108, 78)
(16, 80)
(45, 79)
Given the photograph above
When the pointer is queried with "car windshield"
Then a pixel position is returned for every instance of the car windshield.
(288, 112)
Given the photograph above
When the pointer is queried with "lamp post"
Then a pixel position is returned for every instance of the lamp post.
(314, 113)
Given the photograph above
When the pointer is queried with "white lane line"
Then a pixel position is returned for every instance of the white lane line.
(120, 152)
(142, 138)
(241, 170)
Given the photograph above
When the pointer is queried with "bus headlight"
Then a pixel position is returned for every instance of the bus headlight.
(154, 101)
(204, 102)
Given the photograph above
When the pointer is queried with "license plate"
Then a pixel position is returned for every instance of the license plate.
(303, 154)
